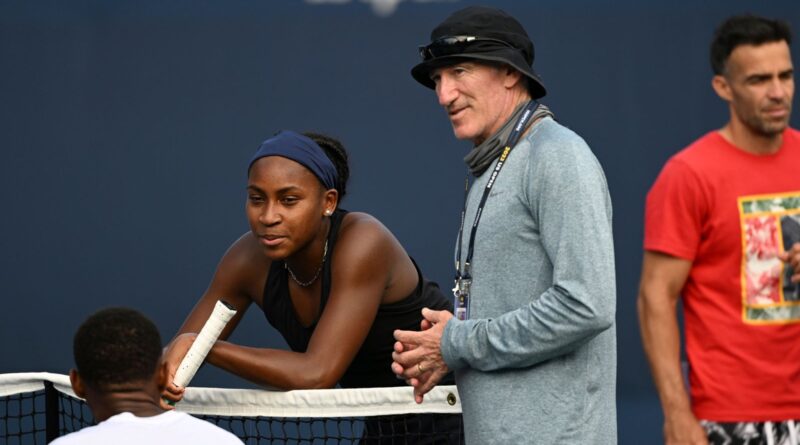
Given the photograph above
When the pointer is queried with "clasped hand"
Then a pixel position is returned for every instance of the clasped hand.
(418, 356)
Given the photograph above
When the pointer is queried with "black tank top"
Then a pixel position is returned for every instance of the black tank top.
(371, 366)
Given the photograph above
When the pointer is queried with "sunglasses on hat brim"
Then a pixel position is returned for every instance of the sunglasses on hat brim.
(450, 45)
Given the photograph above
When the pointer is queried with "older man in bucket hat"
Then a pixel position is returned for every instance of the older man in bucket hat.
(532, 340)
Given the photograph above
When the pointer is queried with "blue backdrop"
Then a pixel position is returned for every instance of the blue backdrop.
(126, 128)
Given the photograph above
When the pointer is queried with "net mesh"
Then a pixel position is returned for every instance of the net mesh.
(35, 408)
(21, 418)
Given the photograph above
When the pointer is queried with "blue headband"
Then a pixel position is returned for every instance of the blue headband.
(302, 150)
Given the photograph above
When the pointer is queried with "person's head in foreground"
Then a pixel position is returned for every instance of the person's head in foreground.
(120, 373)
(118, 363)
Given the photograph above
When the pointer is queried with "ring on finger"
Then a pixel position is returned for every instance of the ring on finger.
(419, 368)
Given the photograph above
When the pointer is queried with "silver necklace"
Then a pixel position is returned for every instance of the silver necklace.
(316, 275)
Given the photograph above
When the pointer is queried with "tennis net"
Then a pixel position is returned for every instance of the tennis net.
(36, 408)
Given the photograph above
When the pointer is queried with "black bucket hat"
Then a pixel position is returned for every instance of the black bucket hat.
(479, 32)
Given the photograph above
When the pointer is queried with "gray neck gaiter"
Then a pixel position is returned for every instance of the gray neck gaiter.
(481, 156)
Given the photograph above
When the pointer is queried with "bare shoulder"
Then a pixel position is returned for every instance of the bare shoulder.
(244, 266)
(365, 229)
(363, 237)
(367, 252)
(360, 217)
(244, 251)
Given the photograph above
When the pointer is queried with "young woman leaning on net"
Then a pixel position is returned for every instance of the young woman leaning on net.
(335, 284)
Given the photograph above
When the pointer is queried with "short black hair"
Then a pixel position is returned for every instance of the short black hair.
(116, 346)
(338, 155)
(745, 29)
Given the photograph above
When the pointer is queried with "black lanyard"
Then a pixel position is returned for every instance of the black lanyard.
(516, 133)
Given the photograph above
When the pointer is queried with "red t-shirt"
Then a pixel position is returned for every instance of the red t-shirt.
(730, 213)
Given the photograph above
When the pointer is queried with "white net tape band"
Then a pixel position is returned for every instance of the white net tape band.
(267, 403)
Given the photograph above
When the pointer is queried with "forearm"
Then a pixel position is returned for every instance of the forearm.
(556, 323)
(661, 340)
(273, 367)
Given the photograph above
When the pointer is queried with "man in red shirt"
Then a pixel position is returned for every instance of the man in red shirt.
(722, 230)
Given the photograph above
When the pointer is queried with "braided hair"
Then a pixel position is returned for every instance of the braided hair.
(338, 155)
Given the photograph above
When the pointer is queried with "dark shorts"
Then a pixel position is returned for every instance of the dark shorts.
(785, 432)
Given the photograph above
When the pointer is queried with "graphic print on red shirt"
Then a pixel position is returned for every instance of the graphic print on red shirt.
(770, 225)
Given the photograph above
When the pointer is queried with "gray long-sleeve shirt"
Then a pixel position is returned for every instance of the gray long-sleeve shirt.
(536, 361)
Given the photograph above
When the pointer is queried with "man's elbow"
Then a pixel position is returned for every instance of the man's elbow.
(648, 305)
(599, 316)
(604, 308)
(641, 305)
(595, 311)
(604, 317)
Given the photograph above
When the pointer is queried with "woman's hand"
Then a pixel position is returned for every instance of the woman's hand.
(173, 354)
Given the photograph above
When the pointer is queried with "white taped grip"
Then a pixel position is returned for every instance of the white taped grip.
(202, 344)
